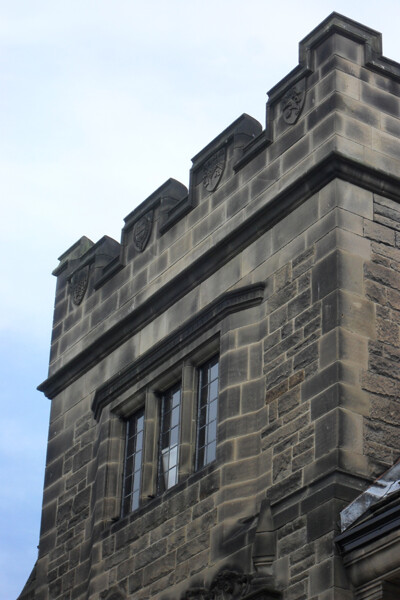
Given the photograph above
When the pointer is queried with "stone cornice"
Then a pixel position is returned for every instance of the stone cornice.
(373, 528)
(230, 302)
(371, 549)
(333, 166)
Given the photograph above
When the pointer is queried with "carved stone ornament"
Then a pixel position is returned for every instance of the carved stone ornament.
(79, 283)
(142, 231)
(213, 169)
(196, 594)
(293, 102)
(229, 585)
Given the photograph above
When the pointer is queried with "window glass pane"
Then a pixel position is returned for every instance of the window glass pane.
(165, 439)
(212, 432)
(200, 457)
(172, 477)
(174, 436)
(167, 403)
(211, 452)
(201, 441)
(207, 413)
(203, 416)
(212, 411)
(175, 417)
(126, 505)
(173, 456)
(135, 500)
(128, 486)
(214, 389)
(166, 420)
(169, 438)
(165, 460)
(128, 467)
(176, 398)
(130, 448)
(133, 462)
(204, 396)
(204, 378)
(136, 486)
(138, 461)
(214, 371)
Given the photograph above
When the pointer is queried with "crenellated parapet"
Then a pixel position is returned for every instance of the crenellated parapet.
(323, 118)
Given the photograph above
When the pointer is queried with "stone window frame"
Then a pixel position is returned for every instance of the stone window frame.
(157, 368)
(184, 371)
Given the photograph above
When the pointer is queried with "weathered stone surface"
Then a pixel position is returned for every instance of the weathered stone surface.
(288, 240)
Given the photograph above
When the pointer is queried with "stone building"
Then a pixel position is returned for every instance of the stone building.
(224, 381)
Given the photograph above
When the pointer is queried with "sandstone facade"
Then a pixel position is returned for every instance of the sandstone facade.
(282, 263)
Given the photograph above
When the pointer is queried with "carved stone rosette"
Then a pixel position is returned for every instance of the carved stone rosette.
(78, 285)
(293, 101)
(213, 169)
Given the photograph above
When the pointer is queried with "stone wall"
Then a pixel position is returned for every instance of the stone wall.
(281, 258)
(381, 380)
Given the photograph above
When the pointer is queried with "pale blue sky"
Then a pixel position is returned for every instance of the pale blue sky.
(100, 103)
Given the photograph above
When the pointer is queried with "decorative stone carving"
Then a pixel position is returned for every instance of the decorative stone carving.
(213, 169)
(226, 585)
(233, 585)
(142, 231)
(196, 594)
(229, 585)
(79, 283)
(293, 102)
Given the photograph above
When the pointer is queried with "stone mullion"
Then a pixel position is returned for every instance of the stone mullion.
(187, 448)
(113, 466)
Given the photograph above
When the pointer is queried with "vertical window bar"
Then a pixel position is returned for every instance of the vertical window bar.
(207, 413)
(133, 462)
